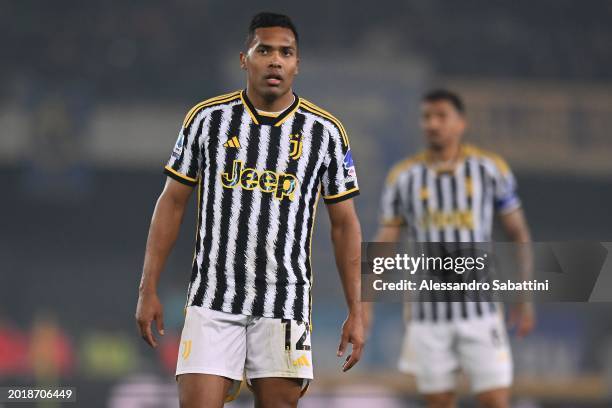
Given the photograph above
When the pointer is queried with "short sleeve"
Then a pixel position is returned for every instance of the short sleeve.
(505, 188)
(186, 158)
(391, 213)
(339, 180)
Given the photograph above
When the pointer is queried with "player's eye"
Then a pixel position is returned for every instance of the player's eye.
(262, 51)
(287, 52)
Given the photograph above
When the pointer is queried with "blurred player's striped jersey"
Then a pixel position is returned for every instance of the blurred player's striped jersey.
(259, 177)
(446, 207)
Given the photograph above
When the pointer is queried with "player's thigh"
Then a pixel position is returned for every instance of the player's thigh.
(276, 392)
(440, 400)
(203, 390)
(213, 344)
(429, 354)
(498, 398)
(278, 348)
(485, 353)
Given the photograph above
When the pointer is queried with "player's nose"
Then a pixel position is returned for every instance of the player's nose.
(275, 60)
(432, 124)
(275, 64)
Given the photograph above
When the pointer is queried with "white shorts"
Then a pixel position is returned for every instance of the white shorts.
(435, 352)
(238, 346)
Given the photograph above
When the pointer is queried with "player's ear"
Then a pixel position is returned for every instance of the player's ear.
(243, 60)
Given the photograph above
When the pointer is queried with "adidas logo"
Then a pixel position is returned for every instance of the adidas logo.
(301, 362)
(232, 142)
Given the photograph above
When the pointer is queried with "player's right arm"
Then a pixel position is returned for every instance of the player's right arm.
(182, 170)
(163, 232)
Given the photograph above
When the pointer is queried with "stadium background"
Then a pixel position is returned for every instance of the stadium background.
(91, 98)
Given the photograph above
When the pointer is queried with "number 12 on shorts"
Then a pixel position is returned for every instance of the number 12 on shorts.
(299, 345)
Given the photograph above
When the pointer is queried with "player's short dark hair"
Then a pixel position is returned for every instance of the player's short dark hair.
(265, 19)
(445, 95)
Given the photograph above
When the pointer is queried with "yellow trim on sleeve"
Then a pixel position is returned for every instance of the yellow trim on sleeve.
(280, 122)
(170, 169)
(217, 99)
(341, 194)
(315, 109)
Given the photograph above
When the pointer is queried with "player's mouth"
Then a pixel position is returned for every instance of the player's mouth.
(273, 79)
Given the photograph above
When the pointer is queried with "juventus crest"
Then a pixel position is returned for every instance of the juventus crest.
(296, 146)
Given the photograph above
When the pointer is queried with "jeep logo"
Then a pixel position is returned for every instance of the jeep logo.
(280, 184)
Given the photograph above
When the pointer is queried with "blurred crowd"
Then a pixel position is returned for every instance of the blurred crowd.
(145, 49)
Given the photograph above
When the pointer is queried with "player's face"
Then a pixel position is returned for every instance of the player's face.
(271, 61)
(442, 123)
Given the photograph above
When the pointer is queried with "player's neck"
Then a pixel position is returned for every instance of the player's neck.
(446, 156)
(270, 105)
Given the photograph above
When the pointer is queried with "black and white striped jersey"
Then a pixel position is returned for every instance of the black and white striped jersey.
(448, 207)
(259, 179)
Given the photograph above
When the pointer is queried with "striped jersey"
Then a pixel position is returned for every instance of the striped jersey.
(259, 178)
(447, 207)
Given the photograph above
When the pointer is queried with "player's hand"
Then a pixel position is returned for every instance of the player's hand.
(522, 318)
(352, 332)
(148, 309)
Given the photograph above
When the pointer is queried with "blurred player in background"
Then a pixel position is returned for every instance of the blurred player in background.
(449, 193)
(260, 158)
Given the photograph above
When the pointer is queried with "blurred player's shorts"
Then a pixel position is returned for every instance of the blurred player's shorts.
(435, 353)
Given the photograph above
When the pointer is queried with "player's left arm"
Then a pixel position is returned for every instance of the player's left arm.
(522, 315)
(346, 239)
(515, 226)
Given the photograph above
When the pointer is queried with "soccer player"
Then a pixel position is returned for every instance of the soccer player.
(449, 193)
(260, 158)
